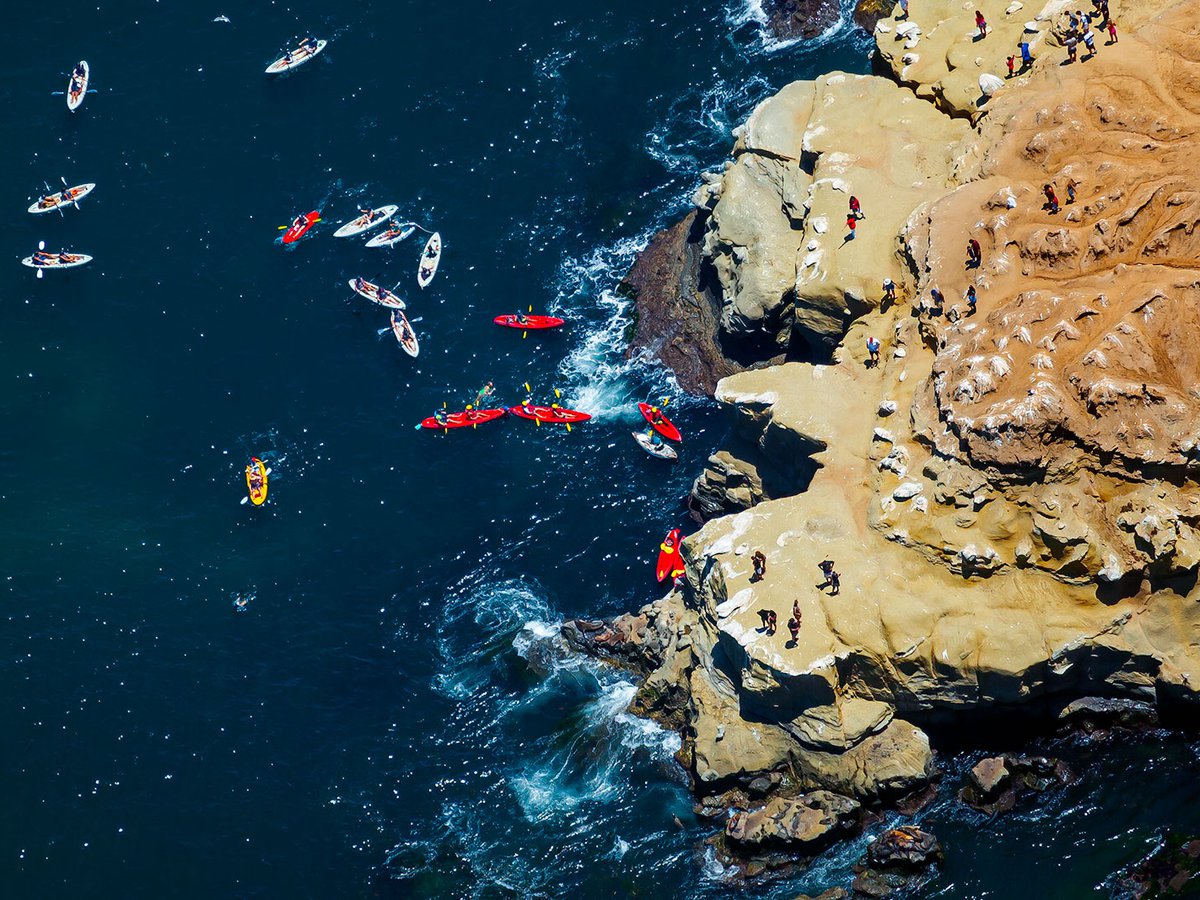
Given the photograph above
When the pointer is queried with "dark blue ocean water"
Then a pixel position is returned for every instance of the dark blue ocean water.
(387, 718)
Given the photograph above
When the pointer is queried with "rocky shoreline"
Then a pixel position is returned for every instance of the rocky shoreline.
(1008, 492)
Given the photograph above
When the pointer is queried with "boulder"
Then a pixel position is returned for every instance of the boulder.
(899, 860)
(806, 824)
(997, 784)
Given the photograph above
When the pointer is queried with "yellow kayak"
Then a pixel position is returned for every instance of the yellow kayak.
(256, 468)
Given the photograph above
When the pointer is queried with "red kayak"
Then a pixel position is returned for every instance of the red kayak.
(466, 419)
(670, 563)
(300, 227)
(659, 422)
(531, 323)
(555, 415)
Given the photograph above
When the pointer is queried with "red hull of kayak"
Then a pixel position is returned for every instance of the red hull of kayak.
(460, 420)
(670, 563)
(532, 323)
(550, 415)
(296, 232)
(665, 428)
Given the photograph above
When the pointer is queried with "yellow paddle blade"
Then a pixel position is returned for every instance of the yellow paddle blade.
(537, 422)
(284, 227)
(666, 400)
(524, 334)
(568, 424)
(528, 389)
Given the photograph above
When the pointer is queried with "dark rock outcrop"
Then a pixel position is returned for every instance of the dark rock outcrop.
(997, 783)
(790, 19)
(786, 830)
(678, 319)
(1171, 870)
(899, 860)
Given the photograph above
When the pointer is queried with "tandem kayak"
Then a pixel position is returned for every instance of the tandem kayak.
(256, 472)
(659, 422)
(396, 232)
(670, 563)
(77, 86)
(405, 336)
(467, 419)
(430, 257)
(295, 58)
(68, 197)
(659, 450)
(52, 261)
(376, 294)
(300, 226)
(366, 221)
(555, 415)
(531, 323)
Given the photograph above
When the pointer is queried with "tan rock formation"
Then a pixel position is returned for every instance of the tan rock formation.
(776, 236)
(1010, 497)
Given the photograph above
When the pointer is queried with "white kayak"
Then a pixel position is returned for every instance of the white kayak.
(405, 336)
(430, 258)
(395, 233)
(376, 294)
(73, 260)
(77, 87)
(661, 451)
(298, 57)
(67, 198)
(366, 221)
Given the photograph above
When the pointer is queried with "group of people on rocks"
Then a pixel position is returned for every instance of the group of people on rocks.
(769, 618)
(1079, 28)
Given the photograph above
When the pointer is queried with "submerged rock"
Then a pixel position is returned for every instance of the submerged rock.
(1172, 869)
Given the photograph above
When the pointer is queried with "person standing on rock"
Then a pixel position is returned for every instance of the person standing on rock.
(939, 301)
(981, 23)
(1072, 47)
(760, 566)
(851, 224)
(1112, 32)
(1051, 198)
(1071, 186)
(1026, 56)
(974, 254)
(1089, 41)
(793, 625)
(1012, 62)
(769, 621)
(971, 300)
(856, 208)
(903, 10)
(889, 290)
(873, 351)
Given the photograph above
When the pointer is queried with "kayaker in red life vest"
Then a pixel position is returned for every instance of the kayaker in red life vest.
(656, 416)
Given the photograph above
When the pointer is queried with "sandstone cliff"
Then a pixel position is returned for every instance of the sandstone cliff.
(1010, 495)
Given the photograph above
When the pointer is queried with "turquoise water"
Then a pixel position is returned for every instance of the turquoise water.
(388, 717)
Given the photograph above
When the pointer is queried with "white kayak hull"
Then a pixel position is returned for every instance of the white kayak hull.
(376, 294)
(390, 240)
(430, 257)
(76, 91)
(658, 451)
(79, 260)
(80, 191)
(405, 336)
(281, 65)
(361, 224)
